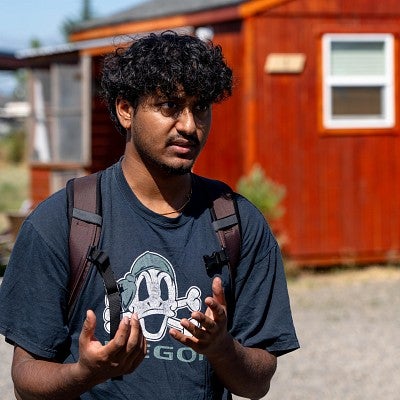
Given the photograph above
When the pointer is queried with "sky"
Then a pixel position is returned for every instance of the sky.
(24, 20)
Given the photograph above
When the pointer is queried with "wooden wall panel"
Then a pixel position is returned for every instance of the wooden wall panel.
(40, 184)
(343, 191)
(339, 7)
(107, 144)
(222, 157)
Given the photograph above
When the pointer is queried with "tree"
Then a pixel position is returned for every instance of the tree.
(69, 24)
(21, 78)
(35, 43)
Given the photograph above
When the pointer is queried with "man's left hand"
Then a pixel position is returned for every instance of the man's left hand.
(210, 337)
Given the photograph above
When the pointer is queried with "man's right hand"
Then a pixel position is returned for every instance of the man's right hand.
(36, 378)
(118, 357)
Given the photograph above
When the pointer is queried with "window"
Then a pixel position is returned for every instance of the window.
(358, 89)
(60, 125)
(67, 106)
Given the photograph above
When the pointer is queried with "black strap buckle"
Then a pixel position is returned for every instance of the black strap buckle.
(98, 257)
(217, 260)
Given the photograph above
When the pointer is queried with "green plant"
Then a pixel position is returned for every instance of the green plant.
(13, 146)
(5, 251)
(263, 192)
(13, 186)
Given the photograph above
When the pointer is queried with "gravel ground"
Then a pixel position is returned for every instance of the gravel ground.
(348, 323)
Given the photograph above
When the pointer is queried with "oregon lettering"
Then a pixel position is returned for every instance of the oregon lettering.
(150, 290)
(169, 353)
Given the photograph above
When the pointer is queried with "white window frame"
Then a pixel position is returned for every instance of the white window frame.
(386, 82)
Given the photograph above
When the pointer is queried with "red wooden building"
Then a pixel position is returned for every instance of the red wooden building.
(316, 104)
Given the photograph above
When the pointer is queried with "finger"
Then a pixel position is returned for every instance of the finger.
(192, 328)
(88, 328)
(206, 322)
(218, 291)
(136, 338)
(190, 341)
(140, 353)
(209, 324)
(132, 350)
(215, 311)
(121, 336)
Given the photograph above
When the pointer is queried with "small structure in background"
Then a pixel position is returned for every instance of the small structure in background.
(13, 115)
(315, 104)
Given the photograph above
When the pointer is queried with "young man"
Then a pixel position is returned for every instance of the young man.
(185, 332)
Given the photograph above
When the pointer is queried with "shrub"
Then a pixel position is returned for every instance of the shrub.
(14, 186)
(13, 146)
(263, 192)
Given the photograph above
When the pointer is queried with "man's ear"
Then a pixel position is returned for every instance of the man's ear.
(124, 112)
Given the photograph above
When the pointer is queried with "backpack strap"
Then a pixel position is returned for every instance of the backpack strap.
(226, 224)
(84, 213)
(85, 220)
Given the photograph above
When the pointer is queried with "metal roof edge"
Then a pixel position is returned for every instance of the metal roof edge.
(70, 47)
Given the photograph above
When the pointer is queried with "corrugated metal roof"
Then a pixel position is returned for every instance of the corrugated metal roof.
(48, 50)
(156, 9)
(71, 47)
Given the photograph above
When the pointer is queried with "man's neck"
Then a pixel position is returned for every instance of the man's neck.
(161, 192)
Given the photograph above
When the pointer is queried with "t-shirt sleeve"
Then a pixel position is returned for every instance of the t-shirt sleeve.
(34, 289)
(262, 316)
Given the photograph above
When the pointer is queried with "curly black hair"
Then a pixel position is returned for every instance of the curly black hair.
(165, 63)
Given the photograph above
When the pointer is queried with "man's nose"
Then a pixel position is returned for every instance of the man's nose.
(185, 122)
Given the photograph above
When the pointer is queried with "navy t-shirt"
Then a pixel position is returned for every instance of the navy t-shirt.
(158, 263)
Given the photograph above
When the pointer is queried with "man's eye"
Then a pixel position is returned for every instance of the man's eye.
(169, 105)
(169, 108)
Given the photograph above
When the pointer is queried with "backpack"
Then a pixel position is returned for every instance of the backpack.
(85, 221)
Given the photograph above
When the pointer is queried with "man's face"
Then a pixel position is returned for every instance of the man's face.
(169, 132)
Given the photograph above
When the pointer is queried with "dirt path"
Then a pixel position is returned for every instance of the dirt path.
(348, 324)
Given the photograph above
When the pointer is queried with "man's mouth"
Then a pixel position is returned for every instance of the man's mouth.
(190, 141)
(183, 146)
(182, 143)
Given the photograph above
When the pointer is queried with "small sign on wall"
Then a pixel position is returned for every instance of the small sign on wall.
(285, 63)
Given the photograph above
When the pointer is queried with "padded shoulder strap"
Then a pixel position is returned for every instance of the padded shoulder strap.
(84, 212)
(226, 223)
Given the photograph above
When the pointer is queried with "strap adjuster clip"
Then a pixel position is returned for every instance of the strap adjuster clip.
(98, 257)
(217, 259)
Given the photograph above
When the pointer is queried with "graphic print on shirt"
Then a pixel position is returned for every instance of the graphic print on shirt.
(150, 290)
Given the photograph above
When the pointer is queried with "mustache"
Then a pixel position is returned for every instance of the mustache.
(193, 140)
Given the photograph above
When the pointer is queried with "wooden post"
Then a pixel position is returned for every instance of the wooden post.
(249, 94)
